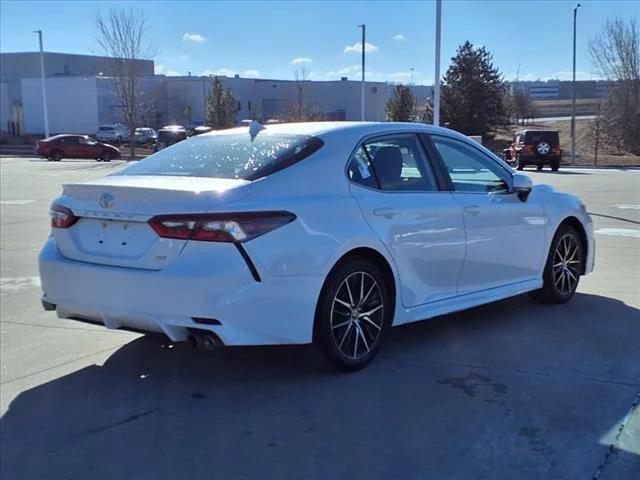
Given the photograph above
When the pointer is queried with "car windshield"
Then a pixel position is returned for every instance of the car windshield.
(228, 156)
(168, 135)
(107, 129)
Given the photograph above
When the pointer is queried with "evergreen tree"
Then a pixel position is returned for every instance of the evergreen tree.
(222, 106)
(402, 106)
(472, 97)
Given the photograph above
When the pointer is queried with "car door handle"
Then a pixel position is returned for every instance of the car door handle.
(472, 209)
(385, 212)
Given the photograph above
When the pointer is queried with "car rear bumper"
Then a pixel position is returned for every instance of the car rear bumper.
(534, 160)
(276, 310)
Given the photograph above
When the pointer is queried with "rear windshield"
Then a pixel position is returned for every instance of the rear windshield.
(107, 129)
(166, 135)
(535, 137)
(228, 156)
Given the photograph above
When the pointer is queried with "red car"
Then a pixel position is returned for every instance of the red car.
(75, 146)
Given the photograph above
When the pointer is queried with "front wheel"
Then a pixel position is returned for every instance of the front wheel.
(563, 268)
(353, 313)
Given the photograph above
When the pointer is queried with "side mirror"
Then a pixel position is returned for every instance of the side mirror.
(522, 186)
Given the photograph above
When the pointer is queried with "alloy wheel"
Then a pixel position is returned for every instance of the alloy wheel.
(357, 315)
(543, 148)
(566, 264)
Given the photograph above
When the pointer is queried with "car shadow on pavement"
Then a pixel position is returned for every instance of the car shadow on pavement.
(508, 390)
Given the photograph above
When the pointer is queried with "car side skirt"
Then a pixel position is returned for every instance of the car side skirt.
(463, 302)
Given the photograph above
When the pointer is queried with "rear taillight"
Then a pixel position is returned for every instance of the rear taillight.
(61, 217)
(219, 227)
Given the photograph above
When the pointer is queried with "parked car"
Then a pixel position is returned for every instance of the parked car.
(115, 133)
(75, 146)
(145, 136)
(200, 130)
(170, 134)
(535, 147)
(323, 233)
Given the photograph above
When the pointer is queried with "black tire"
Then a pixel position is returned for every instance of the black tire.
(57, 155)
(555, 165)
(539, 167)
(520, 164)
(106, 156)
(337, 326)
(566, 253)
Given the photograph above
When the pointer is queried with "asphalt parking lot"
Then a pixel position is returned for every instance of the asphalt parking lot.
(512, 390)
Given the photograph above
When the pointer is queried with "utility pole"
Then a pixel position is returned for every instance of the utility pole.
(436, 83)
(42, 84)
(573, 85)
(362, 87)
(412, 69)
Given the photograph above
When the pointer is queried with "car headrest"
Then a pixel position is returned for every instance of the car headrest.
(387, 163)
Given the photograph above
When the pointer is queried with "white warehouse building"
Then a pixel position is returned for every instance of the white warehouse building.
(80, 96)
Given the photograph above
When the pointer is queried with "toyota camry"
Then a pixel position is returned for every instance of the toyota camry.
(322, 233)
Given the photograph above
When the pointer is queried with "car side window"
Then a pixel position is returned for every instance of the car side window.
(469, 169)
(393, 163)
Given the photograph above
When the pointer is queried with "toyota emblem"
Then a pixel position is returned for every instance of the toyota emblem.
(106, 200)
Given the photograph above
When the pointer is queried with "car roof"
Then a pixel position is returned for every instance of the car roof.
(322, 128)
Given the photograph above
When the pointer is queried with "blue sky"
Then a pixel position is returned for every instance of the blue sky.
(274, 39)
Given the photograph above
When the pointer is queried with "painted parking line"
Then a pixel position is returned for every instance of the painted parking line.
(628, 207)
(619, 232)
(15, 284)
(16, 202)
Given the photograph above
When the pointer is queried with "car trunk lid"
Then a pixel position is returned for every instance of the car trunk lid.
(113, 229)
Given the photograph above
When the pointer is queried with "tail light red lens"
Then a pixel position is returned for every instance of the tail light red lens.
(61, 217)
(221, 227)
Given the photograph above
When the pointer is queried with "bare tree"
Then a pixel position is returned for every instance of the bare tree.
(122, 35)
(615, 53)
(521, 104)
(299, 109)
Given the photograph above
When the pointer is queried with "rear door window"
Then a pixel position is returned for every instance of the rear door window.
(393, 163)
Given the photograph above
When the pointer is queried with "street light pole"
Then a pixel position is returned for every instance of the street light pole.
(573, 87)
(436, 83)
(42, 84)
(363, 27)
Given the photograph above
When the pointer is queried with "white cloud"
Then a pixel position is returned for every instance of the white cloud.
(193, 38)
(351, 69)
(301, 60)
(399, 75)
(357, 48)
(251, 73)
(399, 38)
(158, 69)
(569, 76)
(172, 73)
(222, 72)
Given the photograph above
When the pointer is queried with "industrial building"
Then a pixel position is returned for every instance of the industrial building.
(80, 96)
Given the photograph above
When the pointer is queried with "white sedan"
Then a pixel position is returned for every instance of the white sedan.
(323, 233)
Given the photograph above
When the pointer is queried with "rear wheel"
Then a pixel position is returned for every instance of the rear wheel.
(106, 156)
(555, 165)
(57, 155)
(563, 268)
(352, 315)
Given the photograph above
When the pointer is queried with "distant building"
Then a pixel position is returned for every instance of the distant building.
(80, 96)
(16, 67)
(563, 90)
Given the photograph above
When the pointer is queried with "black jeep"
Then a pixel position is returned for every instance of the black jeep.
(534, 147)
